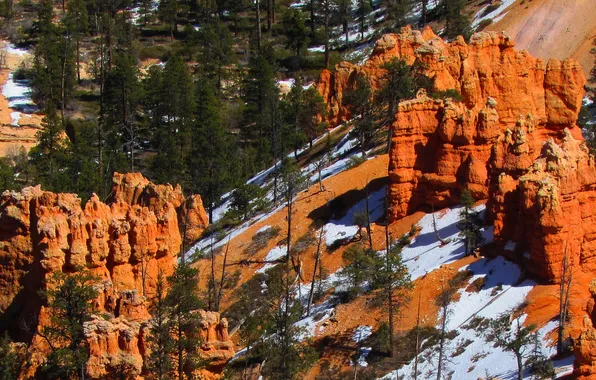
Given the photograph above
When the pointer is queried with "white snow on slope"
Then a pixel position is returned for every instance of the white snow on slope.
(274, 254)
(426, 254)
(362, 333)
(18, 94)
(344, 228)
(495, 15)
(477, 357)
(15, 117)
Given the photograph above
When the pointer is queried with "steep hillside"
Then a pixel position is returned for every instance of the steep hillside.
(552, 28)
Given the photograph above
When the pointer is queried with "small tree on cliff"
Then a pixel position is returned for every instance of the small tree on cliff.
(469, 223)
(511, 335)
(398, 83)
(69, 299)
(160, 360)
(182, 300)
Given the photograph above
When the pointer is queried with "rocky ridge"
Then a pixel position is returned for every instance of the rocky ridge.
(124, 242)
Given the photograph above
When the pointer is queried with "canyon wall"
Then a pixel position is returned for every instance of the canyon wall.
(511, 104)
(124, 243)
(511, 139)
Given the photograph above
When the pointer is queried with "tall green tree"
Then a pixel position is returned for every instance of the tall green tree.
(69, 297)
(310, 114)
(123, 95)
(397, 11)
(77, 24)
(170, 104)
(212, 149)
(470, 223)
(53, 62)
(215, 51)
(182, 300)
(262, 126)
(457, 20)
(167, 11)
(297, 35)
(342, 15)
(360, 101)
(162, 344)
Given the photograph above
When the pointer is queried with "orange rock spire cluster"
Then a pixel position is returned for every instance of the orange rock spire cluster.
(512, 140)
(125, 243)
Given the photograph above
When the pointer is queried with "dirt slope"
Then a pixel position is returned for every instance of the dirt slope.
(552, 28)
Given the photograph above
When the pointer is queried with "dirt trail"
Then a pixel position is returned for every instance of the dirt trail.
(13, 138)
(552, 28)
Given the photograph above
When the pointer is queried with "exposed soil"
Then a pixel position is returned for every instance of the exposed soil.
(552, 28)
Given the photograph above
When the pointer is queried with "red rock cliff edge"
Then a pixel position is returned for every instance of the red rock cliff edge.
(124, 243)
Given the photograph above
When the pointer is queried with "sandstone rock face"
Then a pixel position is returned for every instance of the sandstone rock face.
(512, 103)
(512, 140)
(125, 243)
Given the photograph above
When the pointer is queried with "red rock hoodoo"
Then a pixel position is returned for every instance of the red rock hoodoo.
(512, 103)
(125, 243)
(512, 140)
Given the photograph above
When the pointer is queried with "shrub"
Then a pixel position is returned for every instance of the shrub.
(260, 240)
(448, 94)
(356, 160)
(483, 24)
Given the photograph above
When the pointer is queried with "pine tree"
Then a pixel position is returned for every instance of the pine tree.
(49, 155)
(123, 94)
(295, 30)
(69, 299)
(215, 51)
(457, 21)
(361, 266)
(212, 149)
(11, 359)
(364, 8)
(342, 16)
(516, 339)
(470, 223)
(162, 344)
(311, 111)
(261, 125)
(171, 105)
(168, 13)
(182, 301)
(398, 11)
(363, 112)
(78, 26)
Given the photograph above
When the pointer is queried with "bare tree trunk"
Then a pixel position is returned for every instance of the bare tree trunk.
(314, 275)
(312, 18)
(443, 241)
(564, 289)
(368, 230)
(223, 277)
(442, 340)
(417, 339)
(389, 285)
(326, 34)
(258, 16)
(211, 297)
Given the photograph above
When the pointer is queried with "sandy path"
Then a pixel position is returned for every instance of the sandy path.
(552, 28)
(12, 138)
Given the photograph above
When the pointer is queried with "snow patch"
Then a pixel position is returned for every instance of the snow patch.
(362, 333)
(14, 118)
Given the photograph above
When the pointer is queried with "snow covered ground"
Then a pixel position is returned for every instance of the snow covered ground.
(426, 253)
(495, 15)
(344, 228)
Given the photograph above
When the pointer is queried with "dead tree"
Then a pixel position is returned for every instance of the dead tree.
(564, 290)
(443, 241)
(314, 275)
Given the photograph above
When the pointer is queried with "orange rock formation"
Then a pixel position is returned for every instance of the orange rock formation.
(512, 104)
(125, 243)
(513, 140)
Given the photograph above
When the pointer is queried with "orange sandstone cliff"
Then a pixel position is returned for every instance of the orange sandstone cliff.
(512, 140)
(124, 242)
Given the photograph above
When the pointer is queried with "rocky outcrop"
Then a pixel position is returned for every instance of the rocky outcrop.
(124, 243)
(122, 344)
(511, 104)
